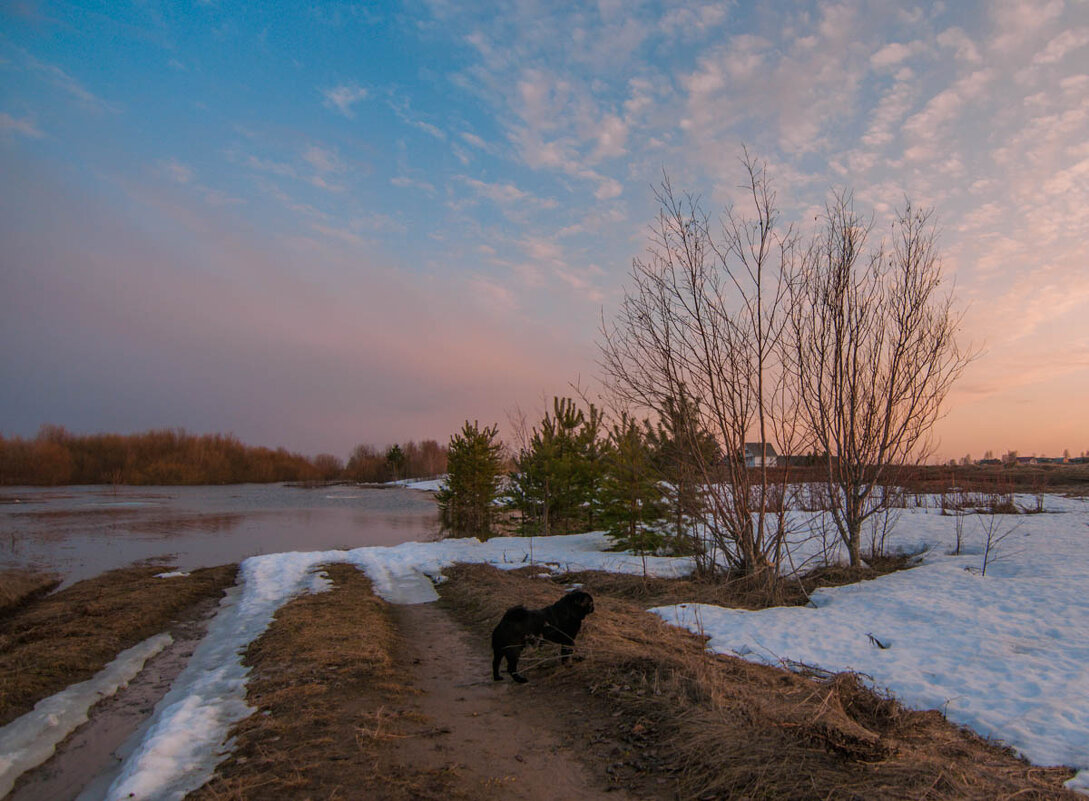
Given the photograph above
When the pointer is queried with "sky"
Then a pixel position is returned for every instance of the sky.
(318, 225)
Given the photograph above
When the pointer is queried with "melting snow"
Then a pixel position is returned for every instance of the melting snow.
(1005, 653)
(29, 740)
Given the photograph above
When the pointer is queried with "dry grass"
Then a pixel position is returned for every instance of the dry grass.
(331, 707)
(18, 587)
(731, 729)
(739, 592)
(70, 635)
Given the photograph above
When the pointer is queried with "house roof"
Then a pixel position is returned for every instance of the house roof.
(753, 449)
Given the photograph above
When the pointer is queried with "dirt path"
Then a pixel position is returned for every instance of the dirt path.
(360, 699)
(501, 737)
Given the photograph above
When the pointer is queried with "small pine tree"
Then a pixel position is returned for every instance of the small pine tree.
(395, 458)
(559, 471)
(474, 465)
(683, 452)
(631, 495)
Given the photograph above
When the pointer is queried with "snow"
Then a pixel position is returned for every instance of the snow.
(1006, 653)
(187, 737)
(426, 485)
(29, 740)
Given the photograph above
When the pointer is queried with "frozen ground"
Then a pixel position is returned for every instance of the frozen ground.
(182, 746)
(1006, 653)
(425, 484)
(29, 740)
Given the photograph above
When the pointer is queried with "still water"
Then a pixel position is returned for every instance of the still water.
(82, 531)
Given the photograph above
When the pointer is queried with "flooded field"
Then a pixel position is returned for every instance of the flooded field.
(82, 531)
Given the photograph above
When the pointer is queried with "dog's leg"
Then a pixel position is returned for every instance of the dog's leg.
(497, 658)
(565, 653)
(512, 665)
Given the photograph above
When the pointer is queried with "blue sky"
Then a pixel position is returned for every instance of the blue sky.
(317, 225)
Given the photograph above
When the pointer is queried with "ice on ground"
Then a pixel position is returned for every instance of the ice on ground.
(426, 484)
(188, 733)
(1006, 653)
(30, 740)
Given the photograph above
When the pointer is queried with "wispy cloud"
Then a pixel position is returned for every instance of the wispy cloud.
(324, 160)
(176, 171)
(184, 175)
(23, 126)
(344, 97)
(506, 193)
(65, 82)
(404, 182)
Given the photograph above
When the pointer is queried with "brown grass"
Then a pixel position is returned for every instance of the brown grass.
(731, 729)
(18, 587)
(70, 635)
(331, 707)
(739, 592)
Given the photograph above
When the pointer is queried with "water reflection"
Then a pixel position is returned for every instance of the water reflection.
(82, 531)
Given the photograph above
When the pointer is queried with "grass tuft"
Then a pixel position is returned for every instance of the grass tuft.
(19, 587)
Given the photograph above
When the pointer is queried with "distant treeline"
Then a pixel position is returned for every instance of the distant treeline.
(426, 459)
(173, 456)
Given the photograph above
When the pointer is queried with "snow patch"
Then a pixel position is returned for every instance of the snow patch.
(1006, 653)
(31, 739)
(187, 736)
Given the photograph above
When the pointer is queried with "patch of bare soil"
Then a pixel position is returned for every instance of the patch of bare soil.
(358, 699)
(70, 635)
(726, 728)
(520, 741)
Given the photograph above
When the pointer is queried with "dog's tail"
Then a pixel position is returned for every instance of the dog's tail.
(516, 614)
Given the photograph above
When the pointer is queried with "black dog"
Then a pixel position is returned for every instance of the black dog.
(519, 627)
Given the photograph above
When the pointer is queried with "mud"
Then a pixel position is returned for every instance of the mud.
(498, 738)
(86, 763)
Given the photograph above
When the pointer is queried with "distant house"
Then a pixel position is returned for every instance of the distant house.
(990, 461)
(1026, 460)
(759, 454)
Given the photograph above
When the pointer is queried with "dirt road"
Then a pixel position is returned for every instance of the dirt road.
(500, 735)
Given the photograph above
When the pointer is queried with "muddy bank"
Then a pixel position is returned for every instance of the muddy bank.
(360, 699)
(86, 763)
(70, 635)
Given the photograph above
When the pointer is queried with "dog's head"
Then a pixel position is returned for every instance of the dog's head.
(579, 603)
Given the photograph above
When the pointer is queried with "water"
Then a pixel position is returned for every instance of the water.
(80, 532)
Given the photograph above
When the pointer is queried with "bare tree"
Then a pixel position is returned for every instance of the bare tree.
(874, 355)
(701, 328)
